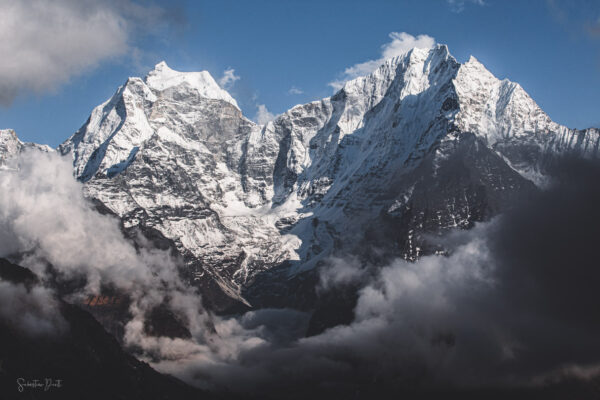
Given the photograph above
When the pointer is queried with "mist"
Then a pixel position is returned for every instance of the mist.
(511, 309)
(512, 304)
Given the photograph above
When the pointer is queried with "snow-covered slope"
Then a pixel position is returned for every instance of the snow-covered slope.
(421, 145)
(162, 78)
(513, 124)
(11, 146)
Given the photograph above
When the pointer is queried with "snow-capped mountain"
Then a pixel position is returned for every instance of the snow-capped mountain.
(11, 146)
(422, 145)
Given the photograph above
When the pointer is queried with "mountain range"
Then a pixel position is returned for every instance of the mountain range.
(253, 213)
(421, 146)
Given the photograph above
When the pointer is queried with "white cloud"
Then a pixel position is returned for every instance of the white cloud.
(45, 43)
(228, 79)
(400, 44)
(458, 6)
(295, 90)
(341, 271)
(44, 214)
(263, 115)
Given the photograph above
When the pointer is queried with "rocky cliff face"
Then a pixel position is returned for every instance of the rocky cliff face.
(422, 145)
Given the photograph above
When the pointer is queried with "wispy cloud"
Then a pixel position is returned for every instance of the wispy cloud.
(228, 79)
(81, 245)
(577, 19)
(458, 6)
(401, 43)
(50, 42)
(263, 115)
(593, 28)
(295, 90)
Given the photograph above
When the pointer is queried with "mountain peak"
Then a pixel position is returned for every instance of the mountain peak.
(7, 134)
(474, 65)
(11, 145)
(161, 66)
(163, 77)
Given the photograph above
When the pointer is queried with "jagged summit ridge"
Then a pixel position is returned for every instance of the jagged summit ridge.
(11, 146)
(118, 128)
(170, 152)
(162, 77)
(508, 119)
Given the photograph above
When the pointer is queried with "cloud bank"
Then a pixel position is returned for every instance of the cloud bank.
(43, 212)
(511, 309)
(45, 43)
(509, 312)
(64, 240)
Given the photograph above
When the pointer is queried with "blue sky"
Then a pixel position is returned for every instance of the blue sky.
(552, 48)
